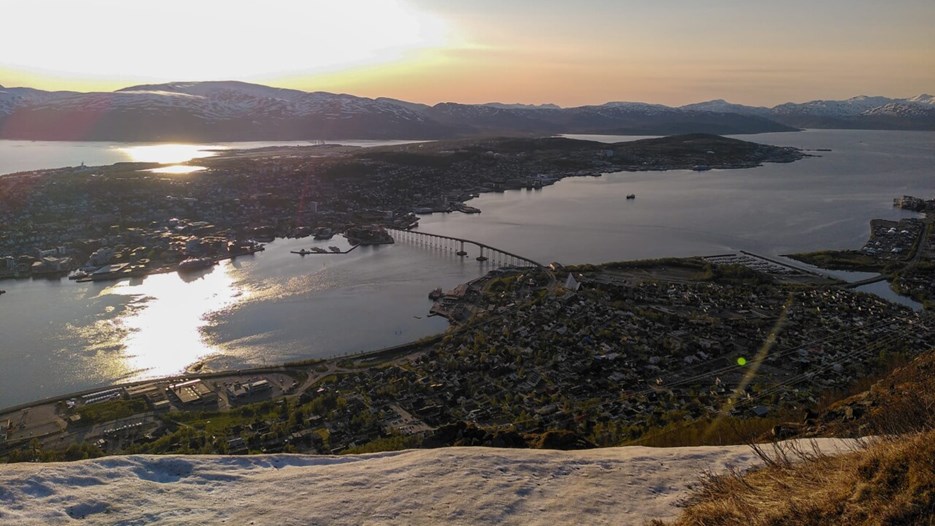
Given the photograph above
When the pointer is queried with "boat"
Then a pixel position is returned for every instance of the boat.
(302, 252)
(336, 250)
(323, 233)
(243, 248)
(319, 250)
(2, 292)
(436, 294)
(79, 275)
(191, 264)
(631, 196)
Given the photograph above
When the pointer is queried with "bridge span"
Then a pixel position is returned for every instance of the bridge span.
(457, 245)
(855, 284)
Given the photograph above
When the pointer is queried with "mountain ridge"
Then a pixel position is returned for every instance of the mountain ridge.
(235, 110)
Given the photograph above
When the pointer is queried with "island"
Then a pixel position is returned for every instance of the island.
(126, 219)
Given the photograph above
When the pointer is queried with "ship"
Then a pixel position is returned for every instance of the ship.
(631, 196)
(191, 264)
(110, 272)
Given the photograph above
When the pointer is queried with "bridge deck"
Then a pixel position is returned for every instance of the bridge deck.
(466, 241)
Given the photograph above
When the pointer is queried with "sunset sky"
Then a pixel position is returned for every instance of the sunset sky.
(569, 53)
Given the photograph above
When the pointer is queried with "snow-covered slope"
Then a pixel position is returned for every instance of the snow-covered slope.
(925, 98)
(832, 108)
(225, 110)
(722, 106)
(857, 112)
(904, 109)
(518, 106)
(477, 486)
(231, 110)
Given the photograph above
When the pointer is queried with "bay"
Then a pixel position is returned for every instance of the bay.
(821, 202)
(60, 336)
(22, 156)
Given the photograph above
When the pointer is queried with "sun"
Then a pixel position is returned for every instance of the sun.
(169, 40)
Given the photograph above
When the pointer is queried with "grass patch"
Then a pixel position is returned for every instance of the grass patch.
(708, 432)
(851, 260)
(111, 410)
(692, 263)
(390, 443)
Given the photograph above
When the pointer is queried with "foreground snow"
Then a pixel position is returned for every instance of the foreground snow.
(441, 486)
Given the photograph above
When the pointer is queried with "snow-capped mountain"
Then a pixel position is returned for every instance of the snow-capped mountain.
(923, 99)
(722, 106)
(861, 112)
(518, 106)
(904, 109)
(11, 98)
(229, 110)
(200, 111)
(831, 108)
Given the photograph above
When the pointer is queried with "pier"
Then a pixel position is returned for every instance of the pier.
(456, 246)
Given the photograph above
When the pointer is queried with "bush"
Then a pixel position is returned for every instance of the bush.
(891, 481)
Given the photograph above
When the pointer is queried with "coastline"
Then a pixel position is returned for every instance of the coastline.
(154, 407)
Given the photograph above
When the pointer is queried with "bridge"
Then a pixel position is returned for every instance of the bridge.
(457, 245)
(855, 284)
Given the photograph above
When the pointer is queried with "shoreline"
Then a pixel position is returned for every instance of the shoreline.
(282, 367)
(153, 407)
(292, 365)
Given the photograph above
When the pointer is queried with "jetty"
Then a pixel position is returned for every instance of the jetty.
(320, 251)
(456, 245)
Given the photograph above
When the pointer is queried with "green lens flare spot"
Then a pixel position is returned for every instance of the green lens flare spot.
(741, 361)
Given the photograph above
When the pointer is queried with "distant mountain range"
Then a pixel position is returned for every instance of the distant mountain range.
(873, 113)
(233, 111)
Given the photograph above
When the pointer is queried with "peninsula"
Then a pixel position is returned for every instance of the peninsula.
(126, 219)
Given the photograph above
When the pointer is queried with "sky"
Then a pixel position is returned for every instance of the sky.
(544, 51)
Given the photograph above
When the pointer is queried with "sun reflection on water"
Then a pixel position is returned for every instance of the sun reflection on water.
(168, 153)
(162, 328)
(177, 169)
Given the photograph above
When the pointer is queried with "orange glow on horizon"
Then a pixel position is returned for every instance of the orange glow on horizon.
(426, 52)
